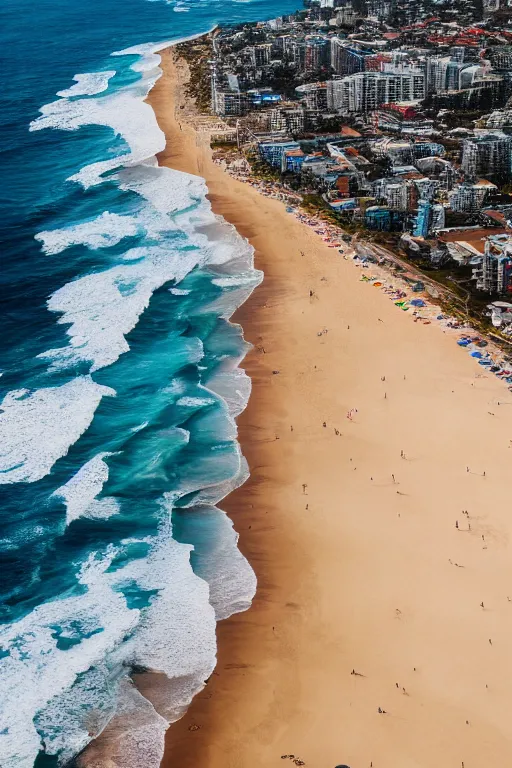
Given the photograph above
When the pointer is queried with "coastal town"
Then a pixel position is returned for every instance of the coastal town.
(392, 121)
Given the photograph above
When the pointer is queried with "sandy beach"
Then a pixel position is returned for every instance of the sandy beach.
(381, 632)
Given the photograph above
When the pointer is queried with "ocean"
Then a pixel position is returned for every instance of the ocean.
(121, 380)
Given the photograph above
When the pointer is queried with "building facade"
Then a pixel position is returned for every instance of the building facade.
(489, 155)
(345, 60)
(495, 274)
(364, 92)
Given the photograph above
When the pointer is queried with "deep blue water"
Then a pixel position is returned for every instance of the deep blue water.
(119, 386)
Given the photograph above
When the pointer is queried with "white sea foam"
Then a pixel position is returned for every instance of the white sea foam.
(168, 191)
(81, 491)
(102, 232)
(133, 738)
(212, 494)
(37, 428)
(195, 402)
(88, 84)
(175, 292)
(184, 644)
(218, 560)
(175, 634)
(104, 306)
(36, 666)
(234, 386)
(230, 282)
(130, 117)
(65, 686)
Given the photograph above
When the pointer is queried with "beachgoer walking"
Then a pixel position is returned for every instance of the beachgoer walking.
(457, 524)
(304, 486)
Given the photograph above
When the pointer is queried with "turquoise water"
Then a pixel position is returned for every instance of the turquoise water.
(120, 383)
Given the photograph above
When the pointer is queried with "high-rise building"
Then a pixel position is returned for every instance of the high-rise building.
(378, 218)
(345, 60)
(469, 198)
(273, 151)
(457, 53)
(313, 96)
(316, 53)
(396, 196)
(442, 74)
(427, 149)
(495, 274)
(287, 119)
(423, 219)
(346, 15)
(365, 91)
(258, 55)
(438, 217)
(500, 57)
(231, 103)
(381, 10)
(489, 155)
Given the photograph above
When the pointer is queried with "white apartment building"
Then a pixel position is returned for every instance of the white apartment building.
(363, 92)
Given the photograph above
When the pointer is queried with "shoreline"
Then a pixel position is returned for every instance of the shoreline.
(358, 572)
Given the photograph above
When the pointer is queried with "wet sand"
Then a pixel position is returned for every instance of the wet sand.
(360, 565)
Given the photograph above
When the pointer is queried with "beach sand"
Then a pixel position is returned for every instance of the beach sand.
(363, 570)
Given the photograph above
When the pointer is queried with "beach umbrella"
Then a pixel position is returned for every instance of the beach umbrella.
(476, 354)
(418, 303)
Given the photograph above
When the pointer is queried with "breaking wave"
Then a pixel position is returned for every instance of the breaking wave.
(123, 431)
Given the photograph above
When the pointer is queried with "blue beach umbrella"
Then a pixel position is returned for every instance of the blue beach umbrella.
(476, 354)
